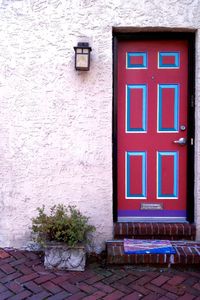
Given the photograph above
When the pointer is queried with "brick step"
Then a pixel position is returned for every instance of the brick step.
(187, 253)
(163, 231)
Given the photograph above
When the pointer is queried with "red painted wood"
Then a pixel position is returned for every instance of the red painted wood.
(135, 172)
(136, 109)
(152, 141)
(136, 60)
(168, 108)
(168, 60)
(168, 176)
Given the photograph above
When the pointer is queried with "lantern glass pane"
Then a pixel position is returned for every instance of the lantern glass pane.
(78, 50)
(82, 61)
(86, 51)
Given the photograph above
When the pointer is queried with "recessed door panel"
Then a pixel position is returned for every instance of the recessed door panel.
(136, 108)
(168, 107)
(136, 175)
(167, 174)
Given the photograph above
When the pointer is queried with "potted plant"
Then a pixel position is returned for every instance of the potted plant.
(63, 233)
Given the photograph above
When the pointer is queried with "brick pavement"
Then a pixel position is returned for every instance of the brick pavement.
(22, 276)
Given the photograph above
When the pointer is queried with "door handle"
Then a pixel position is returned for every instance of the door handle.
(182, 141)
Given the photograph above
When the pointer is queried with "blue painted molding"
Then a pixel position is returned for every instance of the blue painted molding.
(144, 110)
(130, 65)
(175, 65)
(143, 195)
(160, 155)
(175, 127)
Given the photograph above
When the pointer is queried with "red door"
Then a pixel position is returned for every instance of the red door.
(152, 93)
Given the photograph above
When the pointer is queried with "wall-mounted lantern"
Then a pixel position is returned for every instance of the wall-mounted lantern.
(82, 57)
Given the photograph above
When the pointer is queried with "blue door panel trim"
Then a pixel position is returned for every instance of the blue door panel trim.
(129, 87)
(129, 195)
(160, 155)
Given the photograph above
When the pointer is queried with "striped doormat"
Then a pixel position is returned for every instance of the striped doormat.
(132, 246)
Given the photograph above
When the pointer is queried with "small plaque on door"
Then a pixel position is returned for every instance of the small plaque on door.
(151, 206)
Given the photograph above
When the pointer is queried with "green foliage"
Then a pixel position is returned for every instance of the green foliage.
(64, 224)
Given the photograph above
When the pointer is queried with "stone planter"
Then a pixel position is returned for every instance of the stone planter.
(62, 257)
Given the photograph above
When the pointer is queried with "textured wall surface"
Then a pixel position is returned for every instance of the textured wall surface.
(56, 123)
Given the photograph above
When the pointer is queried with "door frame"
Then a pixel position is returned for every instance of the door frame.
(190, 37)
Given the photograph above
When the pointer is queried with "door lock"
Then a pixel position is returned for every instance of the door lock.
(182, 127)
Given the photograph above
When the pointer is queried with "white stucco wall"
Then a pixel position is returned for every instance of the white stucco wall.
(56, 123)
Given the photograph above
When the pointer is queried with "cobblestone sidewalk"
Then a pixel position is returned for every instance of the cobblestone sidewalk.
(22, 276)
